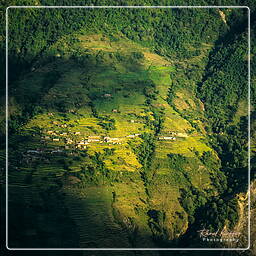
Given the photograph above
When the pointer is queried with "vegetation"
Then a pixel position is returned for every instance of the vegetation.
(138, 115)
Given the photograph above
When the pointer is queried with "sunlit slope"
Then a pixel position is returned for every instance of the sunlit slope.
(92, 125)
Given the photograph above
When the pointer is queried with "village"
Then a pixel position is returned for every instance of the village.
(65, 139)
(75, 140)
(55, 136)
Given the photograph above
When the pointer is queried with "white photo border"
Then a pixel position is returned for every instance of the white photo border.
(249, 129)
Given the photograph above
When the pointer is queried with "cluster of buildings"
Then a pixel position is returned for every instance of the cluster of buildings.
(173, 136)
(41, 151)
(76, 141)
(167, 138)
(32, 155)
(56, 136)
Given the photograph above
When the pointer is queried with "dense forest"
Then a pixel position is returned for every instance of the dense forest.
(183, 71)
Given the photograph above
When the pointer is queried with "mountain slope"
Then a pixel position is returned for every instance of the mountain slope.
(105, 120)
(125, 132)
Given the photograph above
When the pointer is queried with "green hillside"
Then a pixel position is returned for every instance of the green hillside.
(134, 127)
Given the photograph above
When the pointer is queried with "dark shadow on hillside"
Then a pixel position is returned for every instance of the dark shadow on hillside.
(38, 216)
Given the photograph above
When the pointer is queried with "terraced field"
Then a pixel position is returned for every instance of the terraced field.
(99, 152)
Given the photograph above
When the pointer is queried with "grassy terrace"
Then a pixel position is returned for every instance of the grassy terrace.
(113, 91)
(94, 117)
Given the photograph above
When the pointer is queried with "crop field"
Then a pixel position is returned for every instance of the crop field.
(91, 135)
(127, 127)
